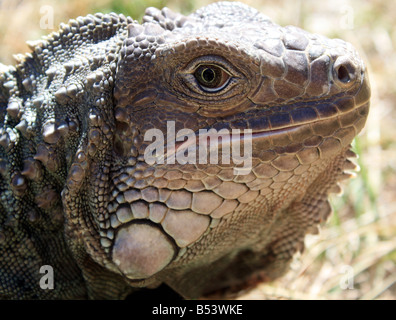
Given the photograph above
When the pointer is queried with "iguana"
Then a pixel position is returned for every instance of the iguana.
(78, 196)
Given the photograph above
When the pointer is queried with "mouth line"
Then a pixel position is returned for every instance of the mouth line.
(284, 130)
(269, 132)
(216, 138)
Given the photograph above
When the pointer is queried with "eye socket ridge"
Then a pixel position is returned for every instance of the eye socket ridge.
(211, 77)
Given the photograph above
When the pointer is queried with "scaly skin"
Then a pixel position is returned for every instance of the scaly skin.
(78, 195)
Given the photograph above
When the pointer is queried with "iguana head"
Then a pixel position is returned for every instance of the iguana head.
(170, 215)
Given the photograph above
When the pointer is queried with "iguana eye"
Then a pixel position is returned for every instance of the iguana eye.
(211, 78)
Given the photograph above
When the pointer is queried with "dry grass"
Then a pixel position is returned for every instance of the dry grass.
(360, 236)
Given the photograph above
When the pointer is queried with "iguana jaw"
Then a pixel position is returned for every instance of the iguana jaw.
(140, 241)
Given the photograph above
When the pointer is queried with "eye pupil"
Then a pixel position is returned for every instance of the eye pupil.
(211, 78)
(208, 75)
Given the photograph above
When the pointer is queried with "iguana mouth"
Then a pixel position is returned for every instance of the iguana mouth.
(267, 133)
(216, 138)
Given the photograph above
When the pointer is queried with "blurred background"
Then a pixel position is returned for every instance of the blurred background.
(354, 256)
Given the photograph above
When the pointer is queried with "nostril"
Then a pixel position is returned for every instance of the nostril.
(344, 71)
(343, 74)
